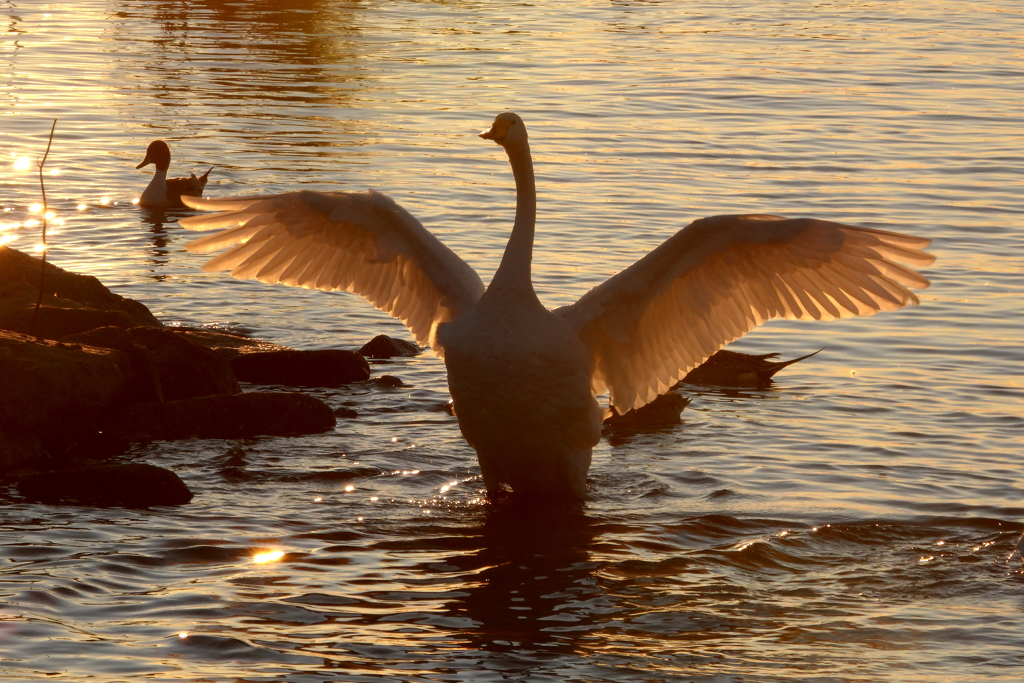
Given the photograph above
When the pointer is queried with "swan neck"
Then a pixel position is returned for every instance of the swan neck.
(514, 270)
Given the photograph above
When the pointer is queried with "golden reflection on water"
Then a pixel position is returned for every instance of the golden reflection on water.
(268, 557)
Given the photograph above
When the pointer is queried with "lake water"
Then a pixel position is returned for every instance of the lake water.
(854, 523)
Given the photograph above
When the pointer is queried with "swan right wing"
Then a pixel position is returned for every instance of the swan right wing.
(361, 242)
(718, 278)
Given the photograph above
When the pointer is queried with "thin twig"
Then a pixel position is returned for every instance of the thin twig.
(42, 269)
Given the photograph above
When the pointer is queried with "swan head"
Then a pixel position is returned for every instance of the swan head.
(507, 129)
(157, 153)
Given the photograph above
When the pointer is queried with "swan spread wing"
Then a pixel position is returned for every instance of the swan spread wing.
(718, 278)
(360, 242)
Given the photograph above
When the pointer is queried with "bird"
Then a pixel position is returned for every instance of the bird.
(163, 192)
(727, 368)
(524, 379)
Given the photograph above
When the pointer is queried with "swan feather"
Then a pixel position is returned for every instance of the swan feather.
(362, 242)
(780, 268)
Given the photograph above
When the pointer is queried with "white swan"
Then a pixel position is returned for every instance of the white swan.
(523, 378)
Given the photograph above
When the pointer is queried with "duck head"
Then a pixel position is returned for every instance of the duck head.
(157, 153)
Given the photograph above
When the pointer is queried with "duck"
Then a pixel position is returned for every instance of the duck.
(524, 380)
(727, 368)
(163, 192)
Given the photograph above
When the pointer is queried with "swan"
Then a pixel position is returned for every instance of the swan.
(163, 192)
(523, 379)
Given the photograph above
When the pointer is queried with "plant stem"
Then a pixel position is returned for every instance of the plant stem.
(42, 269)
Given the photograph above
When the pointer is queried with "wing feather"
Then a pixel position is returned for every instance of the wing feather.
(361, 242)
(720, 277)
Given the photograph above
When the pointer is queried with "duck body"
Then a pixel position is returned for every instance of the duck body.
(742, 370)
(523, 379)
(163, 192)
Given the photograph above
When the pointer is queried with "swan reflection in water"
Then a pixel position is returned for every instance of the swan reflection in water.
(523, 379)
(524, 573)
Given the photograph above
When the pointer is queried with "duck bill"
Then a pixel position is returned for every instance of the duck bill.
(145, 161)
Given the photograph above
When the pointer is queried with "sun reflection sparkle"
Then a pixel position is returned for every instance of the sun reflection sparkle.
(271, 556)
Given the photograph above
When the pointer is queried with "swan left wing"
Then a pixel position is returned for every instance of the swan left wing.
(361, 242)
(718, 278)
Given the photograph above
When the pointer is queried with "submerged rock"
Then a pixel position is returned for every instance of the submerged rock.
(134, 485)
(383, 346)
(228, 345)
(322, 368)
(260, 413)
(661, 412)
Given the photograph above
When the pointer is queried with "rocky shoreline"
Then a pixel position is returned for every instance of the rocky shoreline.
(92, 373)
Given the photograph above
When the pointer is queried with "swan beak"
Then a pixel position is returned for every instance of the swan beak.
(145, 161)
(489, 134)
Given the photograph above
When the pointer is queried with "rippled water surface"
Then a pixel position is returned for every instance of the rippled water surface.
(854, 523)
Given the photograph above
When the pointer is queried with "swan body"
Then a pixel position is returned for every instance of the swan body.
(163, 192)
(523, 379)
(520, 384)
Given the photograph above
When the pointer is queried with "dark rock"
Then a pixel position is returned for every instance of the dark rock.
(224, 417)
(143, 379)
(235, 457)
(18, 447)
(347, 413)
(323, 368)
(383, 346)
(134, 485)
(71, 302)
(661, 412)
(55, 322)
(388, 382)
(95, 445)
(742, 370)
(228, 345)
(53, 393)
(186, 369)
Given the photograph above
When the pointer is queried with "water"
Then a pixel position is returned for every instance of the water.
(851, 524)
